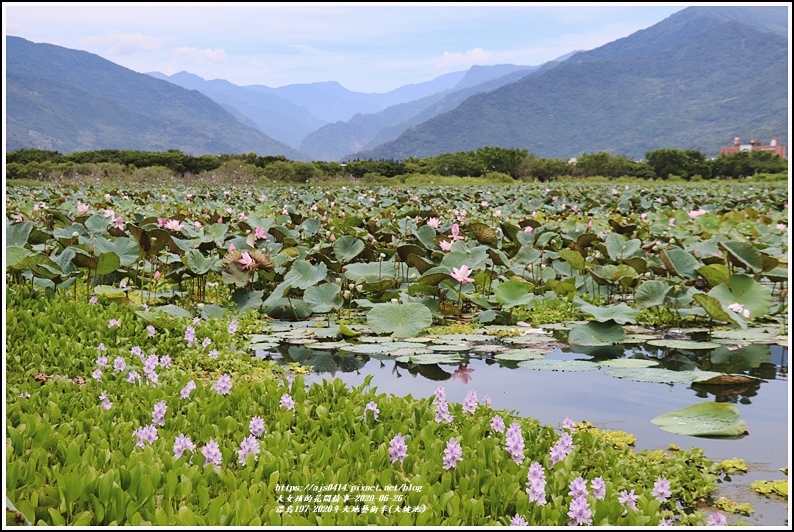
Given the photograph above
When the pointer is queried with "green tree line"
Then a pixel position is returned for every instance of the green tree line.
(489, 162)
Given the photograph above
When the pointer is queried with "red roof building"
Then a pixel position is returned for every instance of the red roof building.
(774, 146)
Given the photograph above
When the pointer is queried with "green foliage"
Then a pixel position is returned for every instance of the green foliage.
(70, 461)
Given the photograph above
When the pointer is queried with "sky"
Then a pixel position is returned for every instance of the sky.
(370, 47)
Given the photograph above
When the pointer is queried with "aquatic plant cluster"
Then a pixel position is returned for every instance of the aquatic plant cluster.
(132, 397)
(197, 440)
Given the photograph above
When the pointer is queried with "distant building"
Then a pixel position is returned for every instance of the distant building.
(774, 147)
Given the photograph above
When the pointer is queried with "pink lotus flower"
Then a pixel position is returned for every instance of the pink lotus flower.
(433, 222)
(82, 208)
(173, 225)
(528, 229)
(260, 233)
(445, 246)
(462, 274)
(246, 261)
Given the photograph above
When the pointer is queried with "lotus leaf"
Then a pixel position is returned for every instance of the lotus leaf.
(402, 320)
(703, 419)
(559, 365)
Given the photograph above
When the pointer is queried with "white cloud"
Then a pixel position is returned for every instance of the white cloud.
(475, 56)
(118, 44)
(190, 54)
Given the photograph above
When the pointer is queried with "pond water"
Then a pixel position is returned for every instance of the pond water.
(608, 402)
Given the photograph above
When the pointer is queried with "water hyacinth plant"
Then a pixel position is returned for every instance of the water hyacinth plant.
(212, 462)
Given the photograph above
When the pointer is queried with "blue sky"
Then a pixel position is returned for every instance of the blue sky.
(372, 47)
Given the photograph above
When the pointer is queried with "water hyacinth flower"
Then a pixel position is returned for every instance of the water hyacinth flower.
(189, 387)
(661, 489)
(249, 445)
(441, 396)
(181, 444)
(165, 361)
(717, 519)
(452, 454)
(667, 522)
(562, 448)
(537, 484)
(232, 327)
(205, 342)
(579, 511)
(486, 400)
(599, 488)
(397, 449)
(515, 443)
(147, 434)
(371, 407)
(149, 363)
(113, 323)
(442, 413)
(578, 487)
(224, 384)
(94, 300)
(150, 331)
(197, 320)
(568, 423)
(158, 413)
(286, 402)
(101, 347)
(137, 351)
(470, 402)
(256, 426)
(190, 335)
(213, 354)
(119, 364)
(106, 404)
(498, 424)
(97, 375)
(102, 361)
(628, 499)
(212, 454)
(517, 520)
(134, 377)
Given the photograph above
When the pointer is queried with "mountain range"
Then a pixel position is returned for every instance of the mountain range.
(695, 80)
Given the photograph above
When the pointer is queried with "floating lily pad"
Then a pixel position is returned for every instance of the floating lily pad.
(264, 346)
(704, 419)
(409, 351)
(638, 338)
(519, 355)
(659, 375)
(449, 348)
(432, 358)
(559, 365)
(629, 363)
(683, 344)
(326, 346)
(747, 335)
(489, 348)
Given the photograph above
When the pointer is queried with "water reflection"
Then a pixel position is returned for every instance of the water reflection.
(761, 362)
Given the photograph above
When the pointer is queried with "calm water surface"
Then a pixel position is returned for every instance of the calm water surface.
(609, 402)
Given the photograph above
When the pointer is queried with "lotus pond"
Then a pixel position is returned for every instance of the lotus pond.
(140, 323)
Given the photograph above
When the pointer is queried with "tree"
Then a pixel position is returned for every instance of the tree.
(682, 163)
